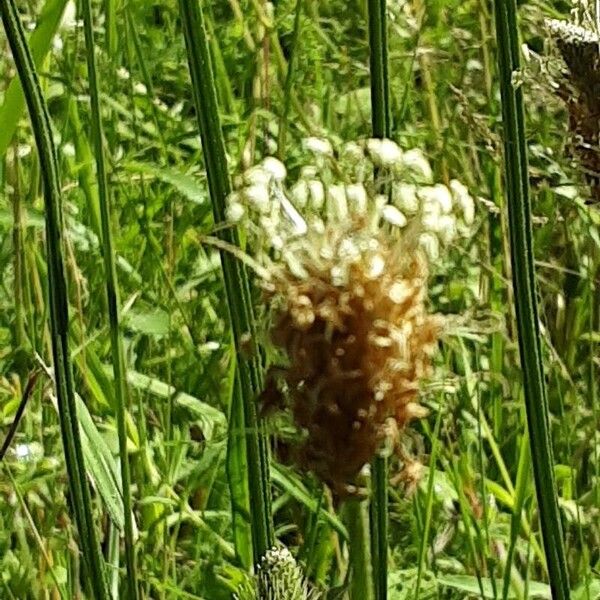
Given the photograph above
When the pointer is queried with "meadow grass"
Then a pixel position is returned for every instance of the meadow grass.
(120, 269)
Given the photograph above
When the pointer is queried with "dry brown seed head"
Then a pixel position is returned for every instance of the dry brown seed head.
(356, 347)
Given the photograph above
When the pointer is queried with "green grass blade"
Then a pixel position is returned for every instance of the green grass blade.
(101, 465)
(59, 303)
(381, 123)
(290, 483)
(380, 84)
(85, 173)
(237, 469)
(112, 298)
(516, 518)
(12, 430)
(40, 43)
(520, 231)
(289, 79)
(424, 542)
(237, 285)
(111, 10)
(357, 521)
(38, 539)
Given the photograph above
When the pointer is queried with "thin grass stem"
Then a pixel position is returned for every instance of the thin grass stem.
(357, 521)
(289, 79)
(237, 284)
(428, 505)
(523, 273)
(112, 299)
(59, 302)
(382, 125)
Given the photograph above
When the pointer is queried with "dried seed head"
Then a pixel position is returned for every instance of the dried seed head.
(346, 282)
(358, 339)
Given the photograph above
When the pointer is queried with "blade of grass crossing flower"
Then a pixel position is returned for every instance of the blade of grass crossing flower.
(237, 285)
(520, 233)
(381, 123)
(59, 317)
(112, 298)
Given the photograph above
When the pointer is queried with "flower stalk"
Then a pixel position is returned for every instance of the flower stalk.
(521, 242)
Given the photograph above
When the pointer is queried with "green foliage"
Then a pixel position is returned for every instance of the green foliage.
(464, 522)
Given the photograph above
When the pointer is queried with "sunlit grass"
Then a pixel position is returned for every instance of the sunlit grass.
(168, 374)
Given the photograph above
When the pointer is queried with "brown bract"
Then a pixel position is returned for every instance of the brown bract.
(355, 328)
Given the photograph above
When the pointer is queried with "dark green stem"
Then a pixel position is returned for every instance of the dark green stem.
(520, 233)
(59, 301)
(237, 285)
(357, 522)
(380, 85)
(381, 123)
(112, 298)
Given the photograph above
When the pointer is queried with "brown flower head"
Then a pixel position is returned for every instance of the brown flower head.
(347, 289)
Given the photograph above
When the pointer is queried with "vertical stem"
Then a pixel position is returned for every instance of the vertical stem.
(289, 80)
(18, 251)
(523, 274)
(110, 12)
(381, 123)
(112, 298)
(237, 285)
(59, 301)
(357, 522)
(380, 86)
(428, 504)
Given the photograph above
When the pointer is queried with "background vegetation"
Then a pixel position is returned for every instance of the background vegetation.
(283, 72)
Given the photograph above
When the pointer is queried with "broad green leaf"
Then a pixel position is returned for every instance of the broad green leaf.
(470, 585)
(209, 417)
(101, 465)
(39, 43)
(189, 187)
(150, 323)
(289, 482)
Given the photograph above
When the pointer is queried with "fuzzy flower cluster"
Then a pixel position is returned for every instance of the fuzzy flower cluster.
(278, 577)
(342, 182)
(345, 272)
